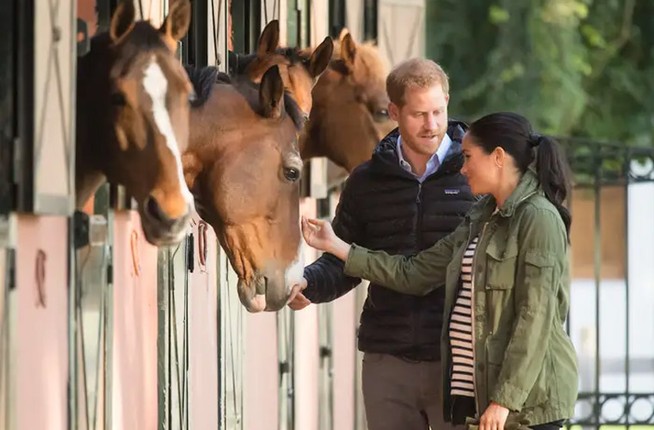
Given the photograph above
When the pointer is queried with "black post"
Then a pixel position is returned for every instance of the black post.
(246, 20)
(370, 19)
(7, 105)
(24, 142)
(336, 17)
(196, 40)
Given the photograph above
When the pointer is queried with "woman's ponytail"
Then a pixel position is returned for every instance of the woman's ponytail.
(554, 175)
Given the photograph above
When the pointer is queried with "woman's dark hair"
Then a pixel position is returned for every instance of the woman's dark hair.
(514, 134)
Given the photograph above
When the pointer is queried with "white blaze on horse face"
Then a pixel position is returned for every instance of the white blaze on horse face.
(156, 85)
(295, 272)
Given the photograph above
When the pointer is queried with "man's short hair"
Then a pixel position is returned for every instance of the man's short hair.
(416, 73)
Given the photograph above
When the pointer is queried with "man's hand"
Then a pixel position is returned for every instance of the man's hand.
(299, 301)
(494, 417)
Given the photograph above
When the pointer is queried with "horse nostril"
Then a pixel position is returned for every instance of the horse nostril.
(153, 209)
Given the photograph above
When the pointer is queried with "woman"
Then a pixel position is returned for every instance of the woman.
(505, 270)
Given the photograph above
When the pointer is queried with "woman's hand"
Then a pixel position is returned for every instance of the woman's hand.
(320, 235)
(494, 417)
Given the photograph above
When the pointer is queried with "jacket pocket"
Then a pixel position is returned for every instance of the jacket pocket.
(500, 279)
(500, 266)
(539, 268)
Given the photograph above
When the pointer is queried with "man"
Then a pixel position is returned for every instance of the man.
(407, 197)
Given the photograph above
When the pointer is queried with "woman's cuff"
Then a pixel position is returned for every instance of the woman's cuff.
(357, 260)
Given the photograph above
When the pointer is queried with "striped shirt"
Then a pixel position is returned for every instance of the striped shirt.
(461, 339)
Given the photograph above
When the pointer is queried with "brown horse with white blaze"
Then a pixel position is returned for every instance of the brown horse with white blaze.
(243, 167)
(133, 119)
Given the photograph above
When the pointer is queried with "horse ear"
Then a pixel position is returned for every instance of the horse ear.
(341, 35)
(320, 57)
(123, 20)
(348, 51)
(176, 23)
(269, 39)
(271, 93)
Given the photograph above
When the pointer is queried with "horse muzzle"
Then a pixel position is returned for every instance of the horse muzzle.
(159, 229)
(265, 293)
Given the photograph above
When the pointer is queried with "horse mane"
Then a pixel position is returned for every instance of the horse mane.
(239, 62)
(204, 78)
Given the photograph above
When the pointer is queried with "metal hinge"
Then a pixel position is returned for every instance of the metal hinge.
(10, 280)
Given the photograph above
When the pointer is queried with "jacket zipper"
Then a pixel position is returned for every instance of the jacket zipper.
(415, 315)
(418, 218)
(472, 316)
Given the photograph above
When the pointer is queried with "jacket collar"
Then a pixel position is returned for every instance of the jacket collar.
(385, 156)
(527, 187)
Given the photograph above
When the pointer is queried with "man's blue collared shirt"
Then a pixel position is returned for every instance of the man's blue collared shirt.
(434, 162)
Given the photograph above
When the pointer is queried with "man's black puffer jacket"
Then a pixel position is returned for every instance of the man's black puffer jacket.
(384, 207)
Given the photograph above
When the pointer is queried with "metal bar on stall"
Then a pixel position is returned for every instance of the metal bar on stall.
(597, 262)
(626, 168)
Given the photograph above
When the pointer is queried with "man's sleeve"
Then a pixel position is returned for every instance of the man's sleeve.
(326, 280)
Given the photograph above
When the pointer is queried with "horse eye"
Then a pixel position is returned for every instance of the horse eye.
(118, 99)
(381, 114)
(291, 173)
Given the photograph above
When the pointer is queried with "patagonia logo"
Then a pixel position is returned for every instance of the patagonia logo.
(452, 191)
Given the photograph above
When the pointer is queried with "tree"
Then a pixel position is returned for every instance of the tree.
(574, 67)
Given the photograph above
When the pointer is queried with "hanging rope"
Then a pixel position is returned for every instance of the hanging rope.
(133, 243)
(202, 245)
(39, 274)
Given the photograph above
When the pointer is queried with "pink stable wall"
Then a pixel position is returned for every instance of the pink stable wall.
(307, 349)
(134, 357)
(345, 320)
(261, 366)
(41, 322)
(261, 373)
(203, 332)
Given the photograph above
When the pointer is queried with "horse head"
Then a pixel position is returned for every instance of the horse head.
(350, 106)
(133, 119)
(243, 166)
(299, 68)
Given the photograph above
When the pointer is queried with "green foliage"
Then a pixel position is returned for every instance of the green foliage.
(574, 67)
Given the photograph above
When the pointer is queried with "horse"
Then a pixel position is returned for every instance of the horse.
(350, 106)
(299, 68)
(133, 119)
(243, 167)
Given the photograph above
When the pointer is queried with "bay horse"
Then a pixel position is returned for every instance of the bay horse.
(299, 68)
(243, 167)
(350, 106)
(133, 119)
